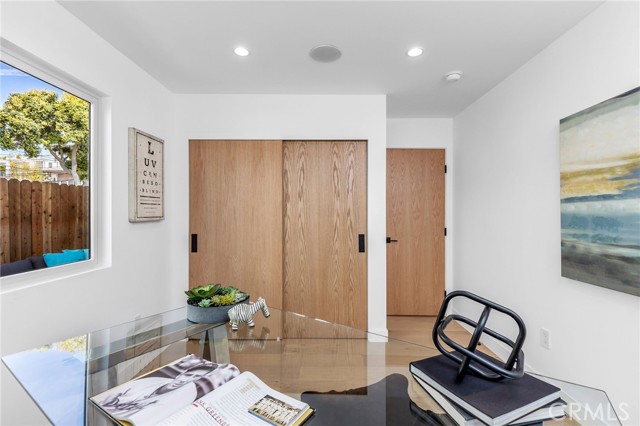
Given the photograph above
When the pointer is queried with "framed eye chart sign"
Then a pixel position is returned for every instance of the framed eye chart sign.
(146, 177)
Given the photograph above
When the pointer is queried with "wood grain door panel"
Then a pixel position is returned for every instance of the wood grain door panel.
(415, 217)
(324, 187)
(235, 204)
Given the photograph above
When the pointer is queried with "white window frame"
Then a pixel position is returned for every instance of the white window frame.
(15, 57)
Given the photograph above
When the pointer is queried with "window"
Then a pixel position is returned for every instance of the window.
(46, 136)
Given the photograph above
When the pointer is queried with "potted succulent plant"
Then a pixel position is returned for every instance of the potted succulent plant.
(210, 303)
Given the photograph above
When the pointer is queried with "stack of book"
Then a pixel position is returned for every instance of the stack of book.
(476, 401)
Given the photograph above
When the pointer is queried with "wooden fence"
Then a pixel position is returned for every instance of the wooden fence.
(38, 217)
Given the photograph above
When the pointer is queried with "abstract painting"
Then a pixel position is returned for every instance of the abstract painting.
(600, 194)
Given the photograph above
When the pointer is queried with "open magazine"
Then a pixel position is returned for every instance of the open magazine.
(192, 391)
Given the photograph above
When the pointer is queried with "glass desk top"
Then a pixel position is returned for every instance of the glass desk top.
(291, 353)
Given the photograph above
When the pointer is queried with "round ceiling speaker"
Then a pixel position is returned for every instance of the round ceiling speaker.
(325, 53)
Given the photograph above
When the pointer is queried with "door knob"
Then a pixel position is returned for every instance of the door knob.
(389, 240)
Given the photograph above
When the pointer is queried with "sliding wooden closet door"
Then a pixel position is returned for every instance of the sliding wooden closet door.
(325, 205)
(235, 204)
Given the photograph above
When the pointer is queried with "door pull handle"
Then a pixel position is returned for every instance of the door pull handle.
(389, 240)
(360, 243)
(194, 243)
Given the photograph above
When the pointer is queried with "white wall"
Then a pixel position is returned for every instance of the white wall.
(296, 117)
(135, 272)
(507, 209)
(430, 133)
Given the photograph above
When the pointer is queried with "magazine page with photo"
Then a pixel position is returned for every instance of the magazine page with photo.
(234, 404)
(157, 395)
(195, 392)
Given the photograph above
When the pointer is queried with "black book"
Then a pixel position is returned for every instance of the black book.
(494, 403)
(551, 411)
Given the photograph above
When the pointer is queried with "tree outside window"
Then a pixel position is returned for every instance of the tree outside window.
(40, 119)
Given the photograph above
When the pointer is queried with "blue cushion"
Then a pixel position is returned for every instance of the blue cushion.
(56, 259)
(85, 252)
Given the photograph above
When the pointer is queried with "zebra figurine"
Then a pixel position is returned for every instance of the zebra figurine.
(243, 312)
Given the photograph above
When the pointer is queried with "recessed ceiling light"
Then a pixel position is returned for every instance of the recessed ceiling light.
(415, 51)
(325, 53)
(241, 51)
(453, 75)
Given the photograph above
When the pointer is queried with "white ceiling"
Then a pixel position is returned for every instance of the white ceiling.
(188, 45)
